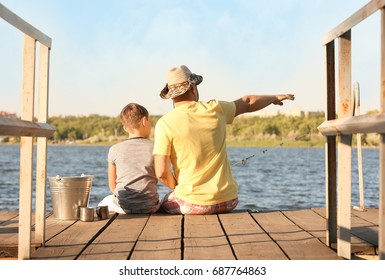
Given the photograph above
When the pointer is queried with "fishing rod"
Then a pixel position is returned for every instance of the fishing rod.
(244, 160)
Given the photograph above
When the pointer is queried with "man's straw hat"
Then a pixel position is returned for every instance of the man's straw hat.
(179, 80)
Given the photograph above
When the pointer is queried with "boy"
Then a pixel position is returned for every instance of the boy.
(131, 174)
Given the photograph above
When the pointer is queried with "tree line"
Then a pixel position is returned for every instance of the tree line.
(99, 128)
(245, 130)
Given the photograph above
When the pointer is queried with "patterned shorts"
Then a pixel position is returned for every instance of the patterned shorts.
(173, 205)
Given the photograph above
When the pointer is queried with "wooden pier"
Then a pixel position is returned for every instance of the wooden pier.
(241, 235)
(301, 234)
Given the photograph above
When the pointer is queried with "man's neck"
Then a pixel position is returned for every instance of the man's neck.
(182, 102)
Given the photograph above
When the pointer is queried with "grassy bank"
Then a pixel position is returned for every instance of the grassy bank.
(244, 131)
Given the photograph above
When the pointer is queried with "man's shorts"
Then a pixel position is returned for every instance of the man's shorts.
(174, 205)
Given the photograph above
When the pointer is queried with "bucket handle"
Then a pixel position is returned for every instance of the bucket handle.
(58, 178)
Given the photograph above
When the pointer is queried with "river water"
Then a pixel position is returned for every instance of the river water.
(275, 178)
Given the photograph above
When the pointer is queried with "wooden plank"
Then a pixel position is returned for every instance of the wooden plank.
(330, 148)
(320, 211)
(24, 26)
(41, 160)
(26, 151)
(365, 230)
(68, 244)
(344, 197)
(296, 243)
(43, 84)
(6, 216)
(9, 232)
(17, 127)
(344, 169)
(357, 102)
(290, 231)
(204, 239)
(315, 224)
(55, 226)
(353, 20)
(161, 239)
(40, 194)
(369, 214)
(118, 240)
(381, 237)
(309, 221)
(330, 66)
(345, 108)
(248, 240)
(382, 62)
(381, 241)
(374, 123)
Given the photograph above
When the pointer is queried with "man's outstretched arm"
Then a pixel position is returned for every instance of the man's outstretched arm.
(252, 103)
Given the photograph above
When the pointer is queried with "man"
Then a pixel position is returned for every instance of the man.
(192, 139)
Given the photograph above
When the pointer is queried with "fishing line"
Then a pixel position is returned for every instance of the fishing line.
(243, 161)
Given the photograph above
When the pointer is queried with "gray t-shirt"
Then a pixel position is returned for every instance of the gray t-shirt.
(136, 180)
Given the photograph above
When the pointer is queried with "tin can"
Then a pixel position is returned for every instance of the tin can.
(86, 214)
(102, 212)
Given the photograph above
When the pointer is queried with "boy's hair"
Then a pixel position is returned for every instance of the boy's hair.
(131, 115)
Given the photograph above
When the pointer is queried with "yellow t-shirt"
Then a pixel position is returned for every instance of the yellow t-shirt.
(194, 136)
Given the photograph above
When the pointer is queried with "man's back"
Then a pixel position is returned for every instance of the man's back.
(194, 136)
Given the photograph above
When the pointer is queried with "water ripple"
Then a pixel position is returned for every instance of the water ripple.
(281, 178)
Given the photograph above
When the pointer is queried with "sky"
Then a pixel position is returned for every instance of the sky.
(106, 54)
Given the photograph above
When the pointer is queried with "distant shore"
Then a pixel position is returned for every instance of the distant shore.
(275, 143)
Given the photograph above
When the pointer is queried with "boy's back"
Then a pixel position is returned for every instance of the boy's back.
(131, 173)
(136, 189)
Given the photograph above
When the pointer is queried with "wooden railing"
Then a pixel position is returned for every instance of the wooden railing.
(338, 177)
(28, 129)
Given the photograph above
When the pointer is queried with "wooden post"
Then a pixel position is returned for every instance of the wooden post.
(381, 225)
(330, 148)
(41, 160)
(344, 169)
(357, 104)
(26, 151)
(381, 218)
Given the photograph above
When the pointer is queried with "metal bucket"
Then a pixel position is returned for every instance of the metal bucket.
(69, 194)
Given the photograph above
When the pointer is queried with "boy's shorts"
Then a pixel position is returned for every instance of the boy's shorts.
(109, 201)
(174, 205)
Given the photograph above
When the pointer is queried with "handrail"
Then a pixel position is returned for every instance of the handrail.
(374, 123)
(24, 26)
(353, 20)
(15, 127)
(27, 128)
(338, 171)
